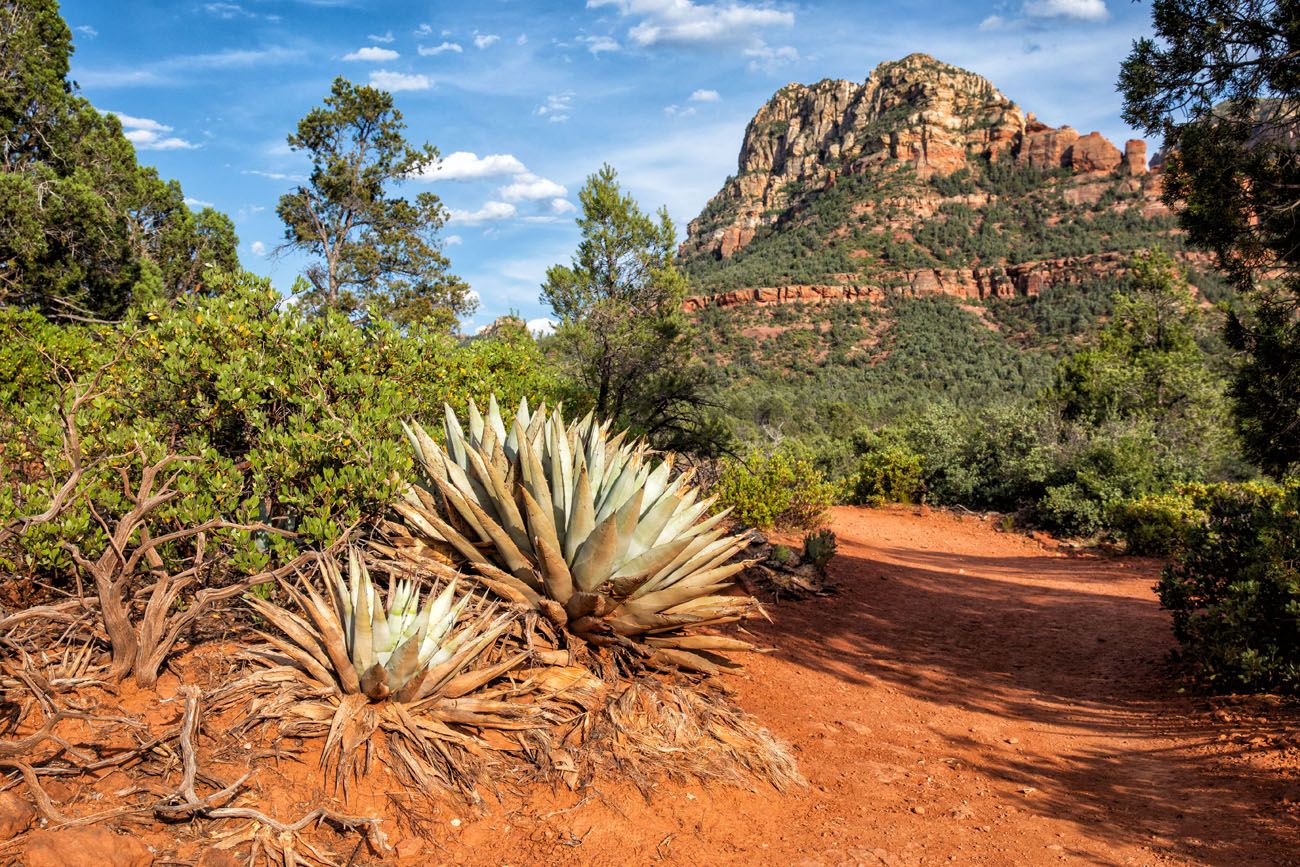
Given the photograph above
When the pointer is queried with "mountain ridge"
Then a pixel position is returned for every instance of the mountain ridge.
(932, 156)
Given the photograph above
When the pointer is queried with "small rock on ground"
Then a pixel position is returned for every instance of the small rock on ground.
(16, 815)
(85, 847)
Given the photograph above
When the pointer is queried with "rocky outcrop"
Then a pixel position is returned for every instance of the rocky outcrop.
(915, 112)
(1092, 153)
(1135, 157)
(1045, 148)
(1009, 281)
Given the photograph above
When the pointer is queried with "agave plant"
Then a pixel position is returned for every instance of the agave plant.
(405, 652)
(586, 526)
(352, 663)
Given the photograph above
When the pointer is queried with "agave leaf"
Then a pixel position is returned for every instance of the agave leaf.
(685, 659)
(583, 520)
(502, 502)
(624, 524)
(295, 627)
(404, 662)
(649, 563)
(455, 435)
(665, 600)
(556, 577)
(327, 621)
(649, 531)
(304, 659)
(472, 680)
(509, 551)
(595, 560)
(361, 645)
(699, 642)
(494, 419)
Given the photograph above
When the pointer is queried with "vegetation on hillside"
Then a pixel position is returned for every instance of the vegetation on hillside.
(853, 227)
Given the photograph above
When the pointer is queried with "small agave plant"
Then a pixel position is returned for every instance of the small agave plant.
(585, 526)
(404, 651)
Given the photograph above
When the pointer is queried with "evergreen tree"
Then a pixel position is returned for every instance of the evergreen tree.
(370, 247)
(84, 230)
(622, 335)
(1221, 84)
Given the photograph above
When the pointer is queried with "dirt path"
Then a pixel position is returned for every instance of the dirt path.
(969, 697)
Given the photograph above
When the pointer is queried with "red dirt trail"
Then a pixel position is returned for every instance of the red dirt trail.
(968, 697)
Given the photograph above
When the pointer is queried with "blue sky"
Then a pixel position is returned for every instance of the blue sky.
(525, 99)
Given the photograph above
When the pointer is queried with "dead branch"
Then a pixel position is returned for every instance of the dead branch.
(187, 804)
(43, 803)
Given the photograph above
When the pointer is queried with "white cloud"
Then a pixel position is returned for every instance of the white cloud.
(524, 186)
(556, 108)
(706, 96)
(1082, 10)
(397, 81)
(541, 327)
(171, 70)
(258, 248)
(424, 30)
(274, 176)
(373, 54)
(678, 111)
(87, 31)
(150, 135)
(453, 240)
(483, 40)
(144, 123)
(766, 58)
(528, 187)
(227, 11)
(426, 51)
(490, 212)
(385, 39)
(597, 44)
(521, 39)
(993, 22)
(466, 166)
(684, 22)
(197, 203)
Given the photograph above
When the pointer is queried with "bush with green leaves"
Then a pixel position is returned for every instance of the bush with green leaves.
(1156, 525)
(1234, 587)
(780, 488)
(292, 419)
(889, 473)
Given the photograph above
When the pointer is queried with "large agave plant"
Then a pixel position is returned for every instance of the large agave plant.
(584, 525)
(404, 651)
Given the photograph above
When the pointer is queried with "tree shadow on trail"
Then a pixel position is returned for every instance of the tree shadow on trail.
(1075, 646)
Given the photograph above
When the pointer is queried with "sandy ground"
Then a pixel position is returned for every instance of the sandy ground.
(968, 696)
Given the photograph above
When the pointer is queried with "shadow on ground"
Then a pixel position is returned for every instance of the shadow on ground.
(1071, 645)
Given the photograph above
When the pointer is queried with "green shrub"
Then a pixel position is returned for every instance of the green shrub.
(294, 419)
(1156, 525)
(779, 489)
(890, 474)
(1234, 588)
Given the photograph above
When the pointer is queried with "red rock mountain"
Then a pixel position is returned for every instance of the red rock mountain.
(919, 120)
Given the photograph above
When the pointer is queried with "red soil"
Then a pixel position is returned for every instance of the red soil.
(968, 697)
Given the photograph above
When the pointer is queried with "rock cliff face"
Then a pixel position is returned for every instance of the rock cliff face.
(915, 113)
